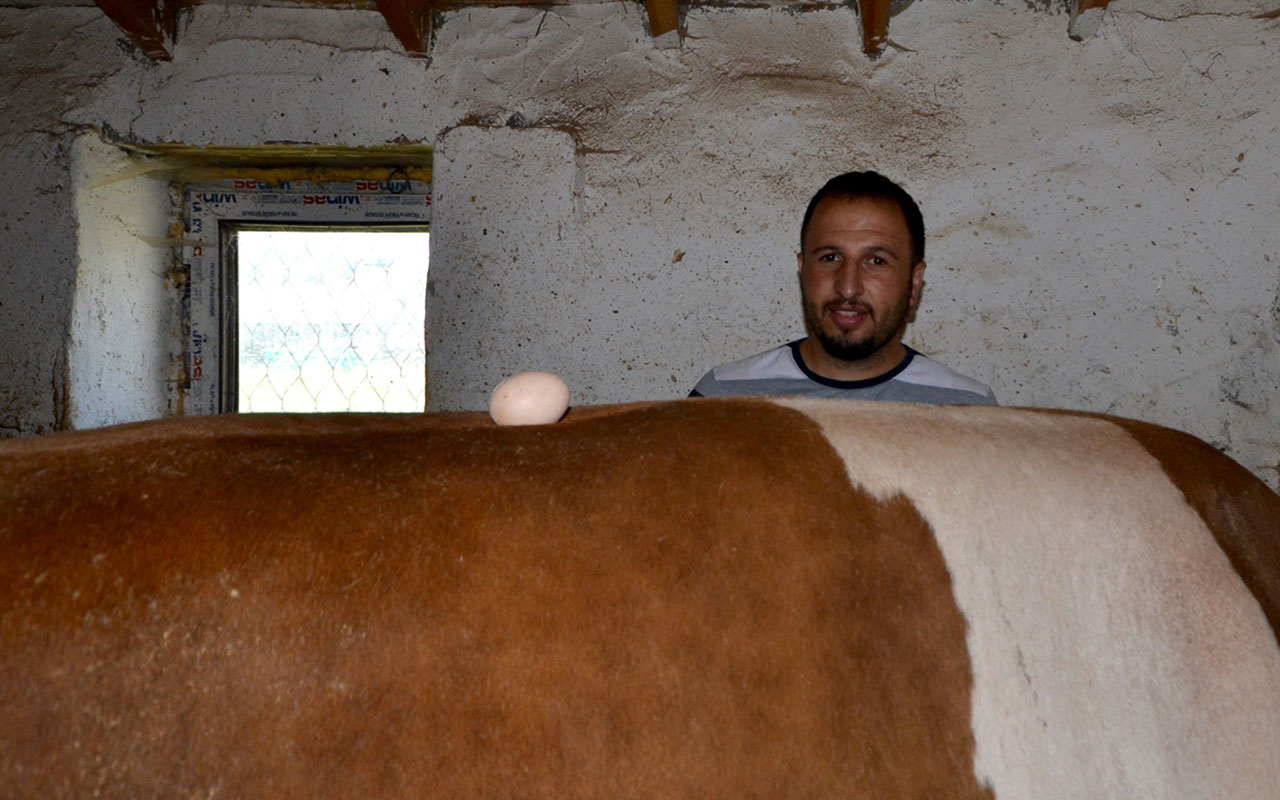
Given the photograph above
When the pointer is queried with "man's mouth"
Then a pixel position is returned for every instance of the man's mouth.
(847, 317)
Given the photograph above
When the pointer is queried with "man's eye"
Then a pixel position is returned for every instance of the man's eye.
(828, 257)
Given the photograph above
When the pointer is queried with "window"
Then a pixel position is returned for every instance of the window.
(329, 319)
(305, 297)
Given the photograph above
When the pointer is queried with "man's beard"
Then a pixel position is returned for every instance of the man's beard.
(847, 347)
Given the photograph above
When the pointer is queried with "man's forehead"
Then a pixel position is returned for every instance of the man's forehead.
(836, 214)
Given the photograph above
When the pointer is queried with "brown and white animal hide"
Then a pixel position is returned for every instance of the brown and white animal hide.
(704, 598)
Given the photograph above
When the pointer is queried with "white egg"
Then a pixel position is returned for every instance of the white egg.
(529, 398)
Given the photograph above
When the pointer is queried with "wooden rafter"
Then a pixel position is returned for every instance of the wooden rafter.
(149, 23)
(274, 163)
(662, 17)
(1086, 16)
(875, 25)
(410, 21)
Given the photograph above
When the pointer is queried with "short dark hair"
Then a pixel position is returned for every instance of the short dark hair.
(871, 186)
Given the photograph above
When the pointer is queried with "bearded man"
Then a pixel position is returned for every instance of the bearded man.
(861, 265)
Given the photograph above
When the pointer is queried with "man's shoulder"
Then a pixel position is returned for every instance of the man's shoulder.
(926, 372)
(776, 362)
(773, 371)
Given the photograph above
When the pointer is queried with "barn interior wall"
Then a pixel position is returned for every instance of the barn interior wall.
(125, 325)
(1101, 213)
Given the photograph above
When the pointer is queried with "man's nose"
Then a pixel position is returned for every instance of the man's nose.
(849, 280)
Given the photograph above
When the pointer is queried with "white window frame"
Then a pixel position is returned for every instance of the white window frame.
(209, 211)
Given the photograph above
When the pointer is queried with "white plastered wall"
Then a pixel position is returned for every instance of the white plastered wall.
(1101, 213)
(124, 314)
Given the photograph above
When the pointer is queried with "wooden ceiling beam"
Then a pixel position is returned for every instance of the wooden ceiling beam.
(149, 23)
(663, 19)
(1086, 16)
(875, 25)
(410, 21)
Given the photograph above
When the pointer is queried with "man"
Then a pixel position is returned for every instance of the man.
(861, 264)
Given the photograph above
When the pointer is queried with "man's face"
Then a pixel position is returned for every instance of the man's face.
(857, 283)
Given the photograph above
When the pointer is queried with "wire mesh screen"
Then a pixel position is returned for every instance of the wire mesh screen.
(331, 320)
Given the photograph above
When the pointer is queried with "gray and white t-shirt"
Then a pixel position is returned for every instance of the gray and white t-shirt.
(782, 371)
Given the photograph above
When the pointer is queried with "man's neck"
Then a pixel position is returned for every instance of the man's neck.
(878, 363)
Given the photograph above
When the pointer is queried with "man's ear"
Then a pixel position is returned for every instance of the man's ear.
(917, 283)
(799, 261)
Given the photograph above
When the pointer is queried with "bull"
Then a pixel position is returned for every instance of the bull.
(709, 598)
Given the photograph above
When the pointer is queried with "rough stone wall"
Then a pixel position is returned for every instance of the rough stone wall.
(1101, 213)
(37, 221)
